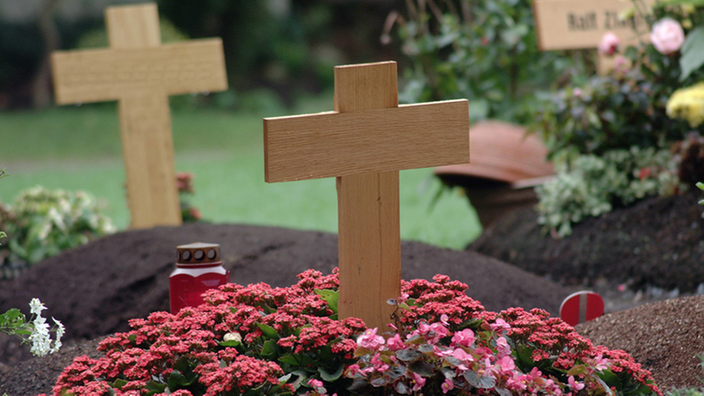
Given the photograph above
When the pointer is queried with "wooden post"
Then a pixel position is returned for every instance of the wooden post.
(141, 73)
(581, 24)
(364, 143)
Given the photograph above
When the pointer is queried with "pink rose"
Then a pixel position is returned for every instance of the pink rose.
(667, 36)
(609, 44)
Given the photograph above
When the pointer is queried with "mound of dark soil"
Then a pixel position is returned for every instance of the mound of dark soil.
(665, 337)
(95, 289)
(656, 242)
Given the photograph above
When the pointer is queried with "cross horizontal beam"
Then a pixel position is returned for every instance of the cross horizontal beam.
(111, 74)
(378, 140)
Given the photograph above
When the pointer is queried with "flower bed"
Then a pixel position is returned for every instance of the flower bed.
(262, 340)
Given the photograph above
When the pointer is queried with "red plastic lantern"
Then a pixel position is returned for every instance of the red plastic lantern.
(198, 269)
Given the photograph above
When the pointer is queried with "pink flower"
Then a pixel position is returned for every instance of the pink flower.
(370, 340)
(574, 384)
(460, 354)
(464, 338)
(600, 363)
(447, 386)
(667, 36)
(507, 364)
(502, 346)
(609, 44)
(317, 385)
(395, 343)
(379, 364)
(500, 325)
(354, 370)
(419, 382)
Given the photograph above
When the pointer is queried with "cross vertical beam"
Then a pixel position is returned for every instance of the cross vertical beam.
(140, 72)
(369, 244)
(145, 126)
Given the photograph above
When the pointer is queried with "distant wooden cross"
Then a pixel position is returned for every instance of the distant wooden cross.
(364, 143)
(581, 24)
(141, 73)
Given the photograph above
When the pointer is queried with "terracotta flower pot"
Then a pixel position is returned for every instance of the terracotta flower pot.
(505, 165)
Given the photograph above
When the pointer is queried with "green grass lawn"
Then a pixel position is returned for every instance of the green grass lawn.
(78, 148)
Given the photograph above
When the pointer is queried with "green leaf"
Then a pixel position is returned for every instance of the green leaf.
(408, 355)
(422, 368)
(230, 344)
(12, 316)
(577, 370)
(700, 185)
(177, 380)
(298, 360)
(155, 387)
(331, 297)
(269, 349)
(331, 377)
(118, 384)
(610, 379)
(692, 52)
(268, 331)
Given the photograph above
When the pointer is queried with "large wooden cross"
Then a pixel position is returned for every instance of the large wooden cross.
(141, 73)
(364, 142)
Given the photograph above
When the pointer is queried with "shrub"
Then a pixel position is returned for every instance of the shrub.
(42, 223)
(592, 185)
(258, 340)
(627, 113)
(483, 50)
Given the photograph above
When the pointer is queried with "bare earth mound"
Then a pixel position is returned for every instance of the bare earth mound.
(664, 337)
(656, 242)
(97, 288)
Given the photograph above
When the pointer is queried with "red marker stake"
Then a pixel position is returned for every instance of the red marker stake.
(581, 307)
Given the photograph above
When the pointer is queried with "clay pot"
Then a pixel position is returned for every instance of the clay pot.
(505, 165)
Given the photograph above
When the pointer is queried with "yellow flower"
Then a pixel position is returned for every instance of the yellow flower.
(688, 103)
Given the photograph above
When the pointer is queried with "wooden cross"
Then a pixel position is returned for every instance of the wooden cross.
(581, 24)
(141, 73)
(364, 143)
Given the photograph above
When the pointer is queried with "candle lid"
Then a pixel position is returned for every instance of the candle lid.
(198, 254)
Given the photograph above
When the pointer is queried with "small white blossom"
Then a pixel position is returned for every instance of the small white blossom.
(40, 336)
(60, 331)
(36, 307)
(234, 336)
(41, 342)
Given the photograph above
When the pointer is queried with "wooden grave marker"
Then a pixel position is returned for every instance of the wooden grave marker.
(140, 73)
(581, 24)
(364, 143)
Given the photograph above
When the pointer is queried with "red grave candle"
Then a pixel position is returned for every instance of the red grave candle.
(198, 269)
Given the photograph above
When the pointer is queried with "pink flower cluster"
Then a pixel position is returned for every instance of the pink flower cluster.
(513, 352)
(263, 340)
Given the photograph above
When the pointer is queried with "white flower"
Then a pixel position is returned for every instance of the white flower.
(40, 336)
(60, 331)
(41, 342)
(234, 336)
(36, 307)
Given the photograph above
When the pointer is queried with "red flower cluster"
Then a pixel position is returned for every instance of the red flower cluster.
(190, 350)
